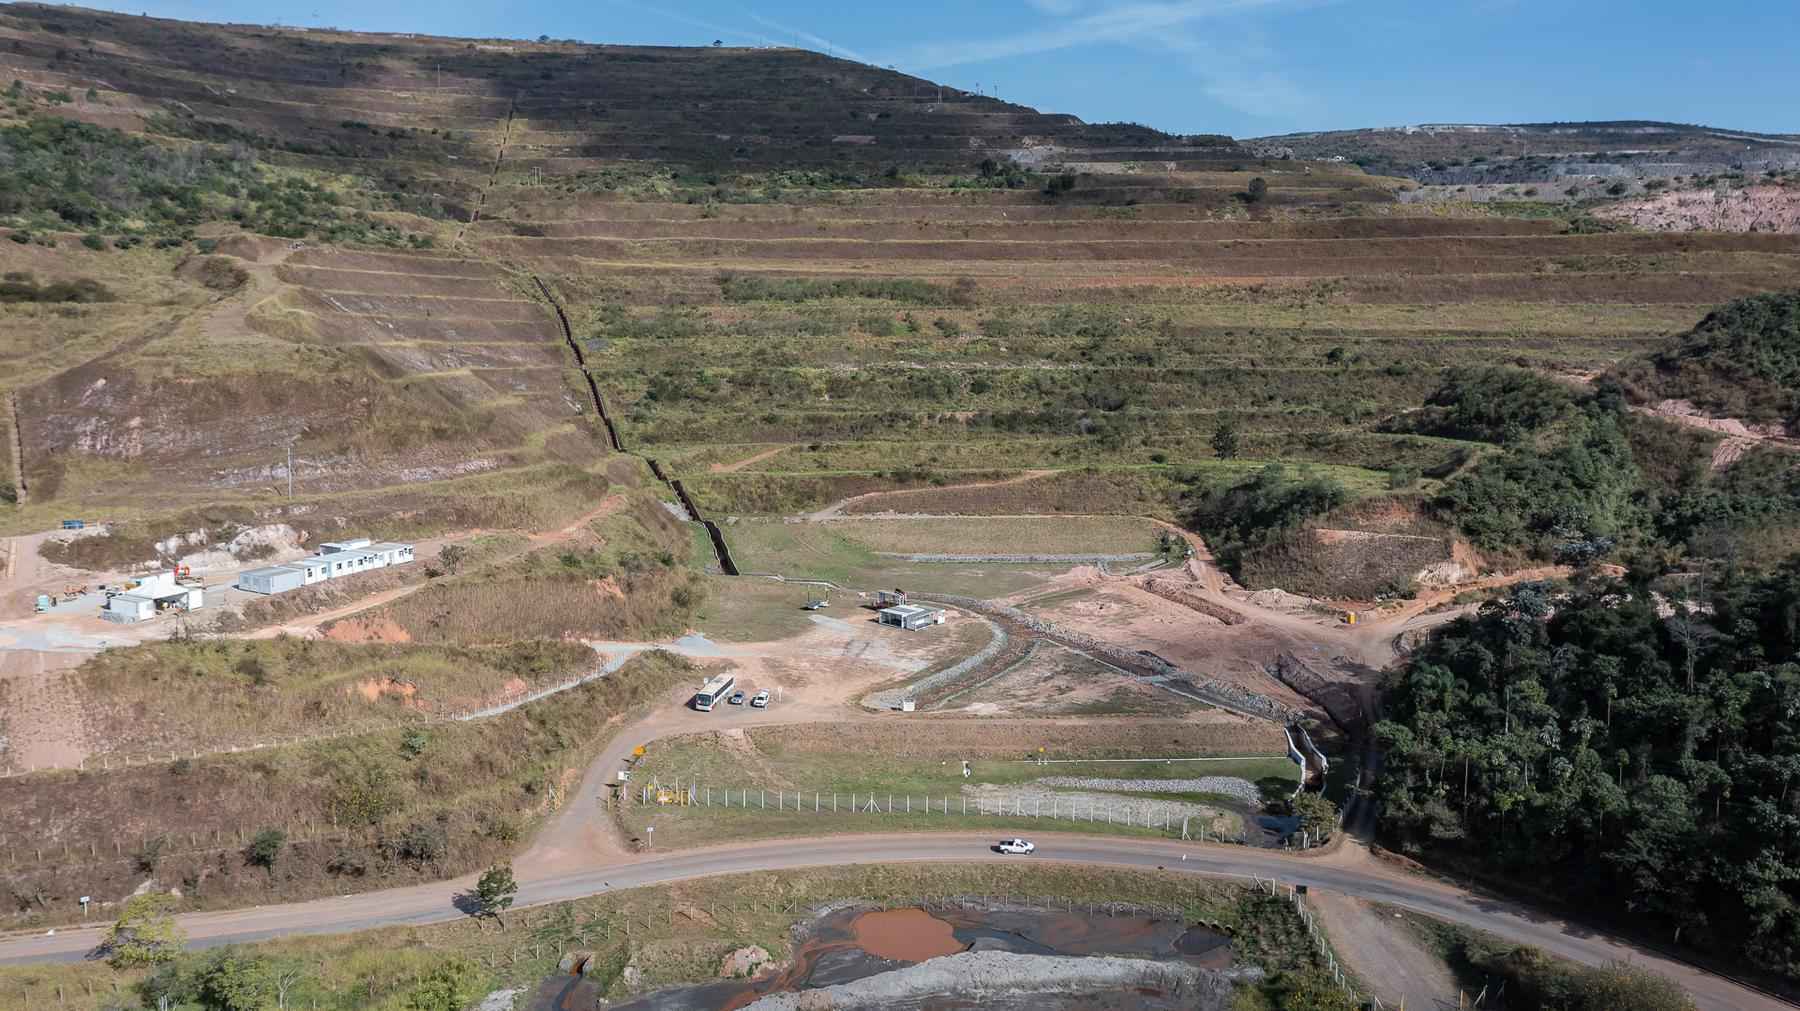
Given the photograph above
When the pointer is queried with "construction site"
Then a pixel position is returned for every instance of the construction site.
(996, 468)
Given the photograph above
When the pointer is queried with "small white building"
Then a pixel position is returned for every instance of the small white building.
(151, 596)
(911, 617)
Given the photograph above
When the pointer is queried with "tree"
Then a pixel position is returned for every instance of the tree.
(495, 891)
(1256, 191)
(145, 934)
(1318, 816)
(265, 849)
(1225, 441)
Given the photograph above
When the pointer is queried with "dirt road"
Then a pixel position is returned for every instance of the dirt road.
(433, 903)
(1382, 952)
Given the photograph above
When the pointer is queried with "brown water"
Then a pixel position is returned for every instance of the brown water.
(853, 944)
(905, 935)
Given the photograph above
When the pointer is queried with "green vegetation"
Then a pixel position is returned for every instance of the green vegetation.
(1255, 513)
(19, 286)
(1742, 361)
(144, 934)
(1530, 978)
(757, 288)
(1590, 746)
(68, 175)
(495, 891)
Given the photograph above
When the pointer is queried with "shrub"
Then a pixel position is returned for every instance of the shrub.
(265, 848)
(1256, 191)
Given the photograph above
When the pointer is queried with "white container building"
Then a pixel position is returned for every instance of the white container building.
(911, 617)
(335, 560)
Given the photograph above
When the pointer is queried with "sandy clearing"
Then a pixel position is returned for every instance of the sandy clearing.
(1383, 952)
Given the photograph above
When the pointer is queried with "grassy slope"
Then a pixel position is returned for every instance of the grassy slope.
(363, 812)
(927, 768)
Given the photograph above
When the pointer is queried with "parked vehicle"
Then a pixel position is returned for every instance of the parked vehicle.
(761, 700)
(712, 691)
(737, 698)
(1016, 846)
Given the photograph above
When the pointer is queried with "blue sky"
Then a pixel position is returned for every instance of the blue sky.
(1242, 67)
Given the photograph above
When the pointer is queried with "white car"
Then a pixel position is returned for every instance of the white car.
(1016, 846)
(761, 700)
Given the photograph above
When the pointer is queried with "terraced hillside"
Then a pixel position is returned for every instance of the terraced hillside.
(793, 281)
(780, 357)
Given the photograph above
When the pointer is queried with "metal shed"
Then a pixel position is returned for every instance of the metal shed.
(273, 579)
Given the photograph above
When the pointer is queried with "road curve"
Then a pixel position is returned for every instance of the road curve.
(432, 903)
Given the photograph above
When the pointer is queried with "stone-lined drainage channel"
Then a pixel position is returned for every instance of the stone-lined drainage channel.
(721, 551)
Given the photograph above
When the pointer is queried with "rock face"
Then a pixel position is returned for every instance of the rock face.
(743, 962)
(996, 975)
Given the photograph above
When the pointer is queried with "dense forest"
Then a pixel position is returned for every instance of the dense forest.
(1632, 746)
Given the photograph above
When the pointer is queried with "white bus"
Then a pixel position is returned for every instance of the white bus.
(714, 692)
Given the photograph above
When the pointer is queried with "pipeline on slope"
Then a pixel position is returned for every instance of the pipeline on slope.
(721, 550)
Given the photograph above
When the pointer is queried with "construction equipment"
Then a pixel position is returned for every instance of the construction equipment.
(72, 592)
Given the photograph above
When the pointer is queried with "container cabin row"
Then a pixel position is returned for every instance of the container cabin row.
(335, 560)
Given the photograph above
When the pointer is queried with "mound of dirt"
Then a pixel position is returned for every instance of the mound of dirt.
(1753, 209)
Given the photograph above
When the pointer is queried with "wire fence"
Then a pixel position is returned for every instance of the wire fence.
(1295, 895)
(1171, 818)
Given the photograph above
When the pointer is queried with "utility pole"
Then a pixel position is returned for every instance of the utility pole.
(290, 469)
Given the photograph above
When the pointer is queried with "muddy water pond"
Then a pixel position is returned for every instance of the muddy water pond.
(852, 944)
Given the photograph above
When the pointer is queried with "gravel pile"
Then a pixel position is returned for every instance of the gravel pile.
(1229, 786)
(985, 976)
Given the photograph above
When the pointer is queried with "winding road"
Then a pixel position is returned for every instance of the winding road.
(579, 854)
(433, 903)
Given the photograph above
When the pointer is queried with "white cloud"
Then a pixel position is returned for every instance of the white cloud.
(1244, 75)
(808, 37)
(1118, 23)
(1212, 38)
(721, 31)
(1059, 8)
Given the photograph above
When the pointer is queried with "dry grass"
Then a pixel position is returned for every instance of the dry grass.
(367, 812)
(187, 696)
(631, 577)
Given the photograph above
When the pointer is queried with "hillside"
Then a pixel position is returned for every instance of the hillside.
(1534, 152)
(616, 333)
(791, 279)
(1741, 362)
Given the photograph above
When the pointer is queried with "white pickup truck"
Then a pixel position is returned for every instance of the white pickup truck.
(1016, 846)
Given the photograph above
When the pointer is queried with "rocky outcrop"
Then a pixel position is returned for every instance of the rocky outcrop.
(743, 962)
